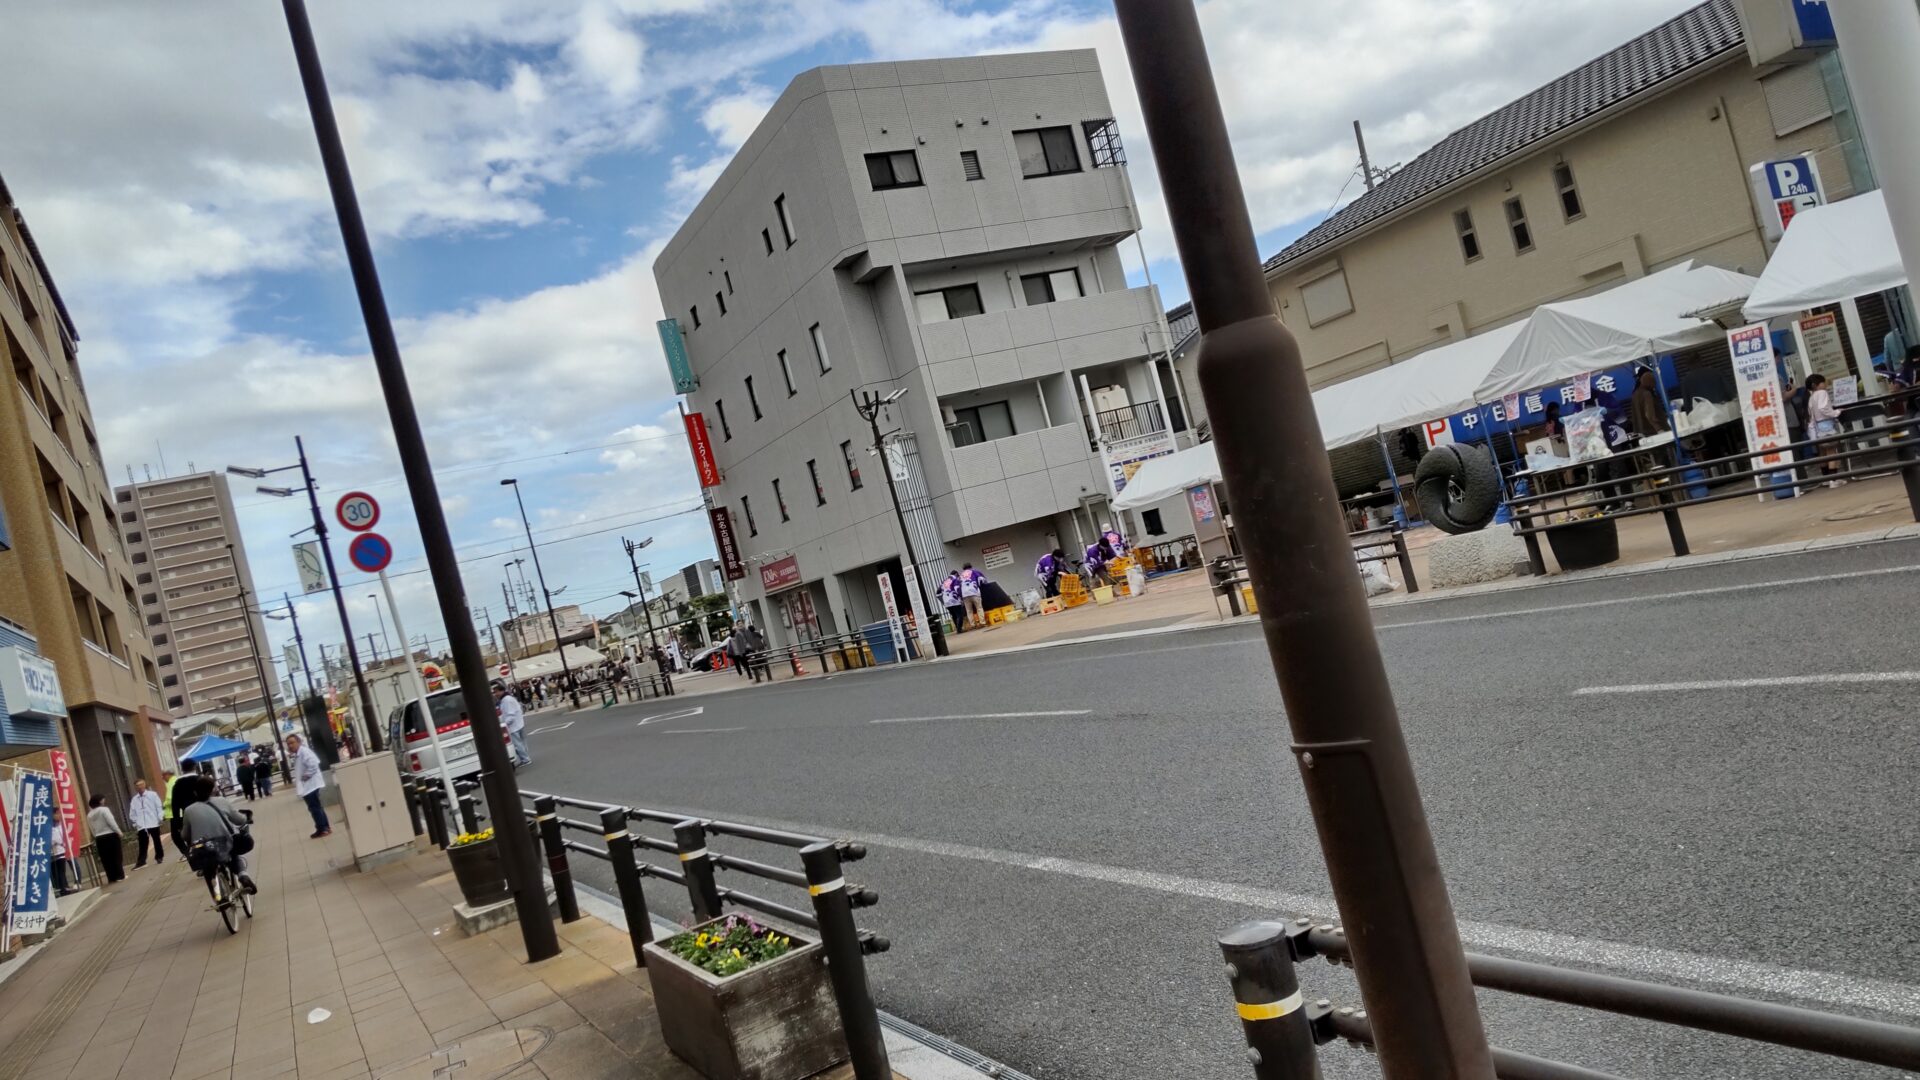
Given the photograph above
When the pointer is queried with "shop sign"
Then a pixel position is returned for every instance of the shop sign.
(893, 618)
(67, 796)
(1757, 381)
(1605, 389)
(725, 543)
(995, 556)
(923, 626)
(675, 347)
(29, 873)
(1781, 189)
(1820, 347)
(781, 574)
(1125, 456)
(30, 684)
(702, 446)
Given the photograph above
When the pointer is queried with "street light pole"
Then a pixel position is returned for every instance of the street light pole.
(300, 644)
(566, 672)
(259, 666)
(633, 561)
(1346, 735)
(503, 791)
(869, 407)
(370, 736)
(382, 616)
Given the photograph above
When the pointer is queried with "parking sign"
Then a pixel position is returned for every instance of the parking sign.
(1782, 189)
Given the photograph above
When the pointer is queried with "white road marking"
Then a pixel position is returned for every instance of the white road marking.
(1667, 965)
(552, 727)
(678, 714)
(1820, 679)
(1683, 594)
(980, 716)
(702, 731)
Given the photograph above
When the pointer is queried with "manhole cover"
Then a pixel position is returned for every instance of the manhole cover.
(1869, 510)
(478, 1057)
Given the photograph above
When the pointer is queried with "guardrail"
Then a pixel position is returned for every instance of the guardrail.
(694, 867)
(1380, 544)
(1283, 1030)
(848, 650)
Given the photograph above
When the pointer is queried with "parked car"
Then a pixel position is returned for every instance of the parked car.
(706, 659)
(413, 749)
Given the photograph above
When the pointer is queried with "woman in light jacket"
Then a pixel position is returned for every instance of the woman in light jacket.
(1823, 422)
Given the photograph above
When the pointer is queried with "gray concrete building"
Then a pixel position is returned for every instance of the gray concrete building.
(196, 593)
(949, 228)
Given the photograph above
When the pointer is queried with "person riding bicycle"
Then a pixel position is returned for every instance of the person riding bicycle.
(209, 831)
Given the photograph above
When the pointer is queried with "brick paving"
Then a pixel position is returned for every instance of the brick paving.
(150, 985)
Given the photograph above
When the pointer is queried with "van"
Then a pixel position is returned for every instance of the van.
(413, 749)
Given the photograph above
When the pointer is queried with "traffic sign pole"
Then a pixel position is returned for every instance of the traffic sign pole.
(420, 695)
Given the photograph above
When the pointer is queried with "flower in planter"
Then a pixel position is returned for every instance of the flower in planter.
(730, 947)
(465, 839)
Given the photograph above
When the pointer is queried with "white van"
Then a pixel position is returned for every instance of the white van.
(413, 749)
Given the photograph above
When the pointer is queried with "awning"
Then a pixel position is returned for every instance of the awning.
(1638, 319)
(1169, 475)
(1829, 254)
(213, 746)
(1437, 382)
(579, 657)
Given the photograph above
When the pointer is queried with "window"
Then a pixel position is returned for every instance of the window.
(786, 220)
(720, 301)
(1050, 286)
(953, 302)
(1570, 206)
(134, 537)
(780, 500)
(720, 410)
(1326, 298)
(149, 598)
(1797, 97)
(123, 496)
(753, 399)
(727, 275)
(767, 239)
(146, 579)
(1151, 519)
(970, 164)
(1046, 152)
(1469, 240)
(139, 556)
(173, 702)
(813, 474)
(853, 469)
(786, 371)
(159, 639)
(153, 620)
(981, 423)
(129, 518)
(820, 348)
(1517, 223)
(166, 658)
(894, 169)
(695, 310)
(746, 511)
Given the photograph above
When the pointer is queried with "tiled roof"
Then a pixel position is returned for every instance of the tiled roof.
(1666, 52)
(40, 264)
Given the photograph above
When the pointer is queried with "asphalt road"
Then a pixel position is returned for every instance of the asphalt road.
(1053, 884)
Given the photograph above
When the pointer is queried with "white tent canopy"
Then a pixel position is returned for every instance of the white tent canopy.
(1438, 382)
(579, 657)
(1627, 322)
(1165, 477)
(1830, 254)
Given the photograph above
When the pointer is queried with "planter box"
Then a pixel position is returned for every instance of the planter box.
(1584, 545)
(776, 1021)
(478, 870)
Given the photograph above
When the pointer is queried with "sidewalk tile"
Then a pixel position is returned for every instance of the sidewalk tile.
(522, 1001)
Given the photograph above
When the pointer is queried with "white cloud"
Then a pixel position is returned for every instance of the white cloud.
(732, 118)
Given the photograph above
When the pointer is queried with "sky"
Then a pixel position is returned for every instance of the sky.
(520, 163)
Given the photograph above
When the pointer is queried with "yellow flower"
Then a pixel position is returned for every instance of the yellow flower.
(736, 952)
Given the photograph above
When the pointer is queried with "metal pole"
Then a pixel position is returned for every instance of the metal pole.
(870, 408)
(259, 665)
(626, 879)
(503, 792)
(546, 815)
(573, 694)
(690, 837)
(419, 688)
(1266, 994)
(1346, 731)
(633, 561)
(300, 644)
(369, 740)
(846, 961)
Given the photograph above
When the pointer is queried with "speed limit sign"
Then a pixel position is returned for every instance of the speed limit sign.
(357, 511)
(505, 670)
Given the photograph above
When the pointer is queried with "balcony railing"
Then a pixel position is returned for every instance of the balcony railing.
(1126, 422)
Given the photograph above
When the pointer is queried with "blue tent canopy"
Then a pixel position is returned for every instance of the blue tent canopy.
(213, 746)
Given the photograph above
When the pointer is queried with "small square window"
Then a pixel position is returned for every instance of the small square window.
(129, 518)
(1045, 288)
(746, 511)
(786, 219)
(1570, 206)
(820, 348)
(893, 169)
(1047, 152)
(1517, 224)
(853, 467)
(727, 276)
(753, 399)
(720, 301)
(123, 496)
(970, 164)
(1469, 240)
(695, 312)
(786, 371)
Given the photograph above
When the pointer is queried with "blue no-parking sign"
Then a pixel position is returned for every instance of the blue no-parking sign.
(370, 552)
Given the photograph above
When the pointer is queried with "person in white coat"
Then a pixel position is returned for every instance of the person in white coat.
(145, 813)
(513, 721)
(308, 781)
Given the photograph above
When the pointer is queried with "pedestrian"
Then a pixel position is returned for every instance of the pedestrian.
(970, 582)
(757, 647)
(1096, 565)
(1649, 417)
(737, 648)
(1047, 571)
(513, 720)
(308, 781)
(675, 660)
(106, 839)
(263, 773)
(1823, 422)
(244, 773)
(1112, 543)
(950, 599)
(145, 813)
(62, 883)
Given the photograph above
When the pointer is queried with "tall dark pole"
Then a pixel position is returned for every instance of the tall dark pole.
(1346, 730)
(503, 791)
(870, 408)
(372, 725)
(259, 663)
(633, 561)
(300, 644)
(553, 620)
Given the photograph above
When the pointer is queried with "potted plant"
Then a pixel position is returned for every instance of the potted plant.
(742, 1001)
(477, 868)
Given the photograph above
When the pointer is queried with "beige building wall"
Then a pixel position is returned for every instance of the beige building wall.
(1661, 181)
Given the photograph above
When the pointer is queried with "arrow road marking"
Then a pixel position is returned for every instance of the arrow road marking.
(702, 731)
(679, 714)
(551, 727)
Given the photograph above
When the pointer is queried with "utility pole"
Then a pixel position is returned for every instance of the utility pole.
(300, 644)
(869, 407)
(1346, 737)
(566, 672)
(503, 791)
(1366, 167)
(633, 561)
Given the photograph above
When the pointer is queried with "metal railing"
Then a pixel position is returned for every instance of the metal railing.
(1126, 422)
(1283, 1029)
(848, 650)
(1386, 543)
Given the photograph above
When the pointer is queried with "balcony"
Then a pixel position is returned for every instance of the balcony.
(1020, 477)
(1002, 347)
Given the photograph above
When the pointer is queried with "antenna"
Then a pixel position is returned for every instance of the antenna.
(1366, 167)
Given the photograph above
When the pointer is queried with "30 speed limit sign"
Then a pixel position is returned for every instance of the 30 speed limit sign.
(357, 511)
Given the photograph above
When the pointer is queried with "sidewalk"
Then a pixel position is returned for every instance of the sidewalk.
(152, 986)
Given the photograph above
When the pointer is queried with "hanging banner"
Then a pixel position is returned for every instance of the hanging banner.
(30, 905)
(68, 797)
(702, 447)
(675, 347)
(1125, 456)
(1757, 380)
(893, 618)
(293, 659)
(725, 543)
(313, 571)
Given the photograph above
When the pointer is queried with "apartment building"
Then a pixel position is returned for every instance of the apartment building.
(66, 586)
(198, 607)
(947, 228)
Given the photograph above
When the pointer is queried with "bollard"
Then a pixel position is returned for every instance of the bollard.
(1406, 561)
(1266, 993)
(432, 803)
(546, 815)
(412, 794)
(846, 965)
(690, 837)
(626, 875)
(469, 814)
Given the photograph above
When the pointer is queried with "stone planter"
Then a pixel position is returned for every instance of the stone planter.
(1585, 544)
(478, 870)
(775, 1021)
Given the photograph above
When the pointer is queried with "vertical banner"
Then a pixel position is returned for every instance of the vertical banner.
(1757, 381)
(725, 544)
(313, 572)
(68, 798)
(893, 619)
(702, 447)
(675, 347)
(30, 873)
(922, 626)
